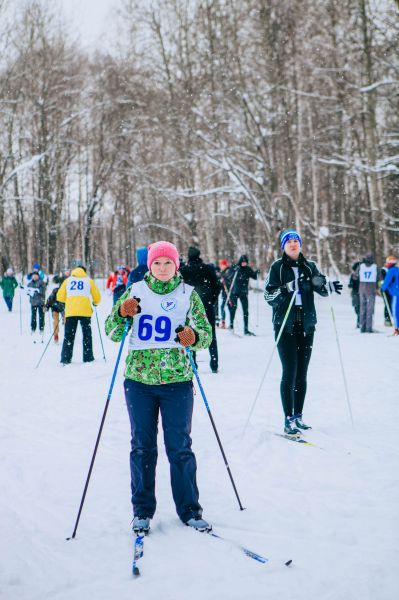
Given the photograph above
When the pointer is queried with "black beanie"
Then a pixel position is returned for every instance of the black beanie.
(193, 253)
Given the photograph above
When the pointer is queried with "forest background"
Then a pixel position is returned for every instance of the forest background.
(216, 123)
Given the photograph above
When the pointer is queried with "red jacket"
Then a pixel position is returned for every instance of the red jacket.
(113, 278)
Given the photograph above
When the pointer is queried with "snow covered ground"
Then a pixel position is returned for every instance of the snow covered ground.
(333, 509)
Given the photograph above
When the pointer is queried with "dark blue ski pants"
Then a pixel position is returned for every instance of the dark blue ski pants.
(175, 403)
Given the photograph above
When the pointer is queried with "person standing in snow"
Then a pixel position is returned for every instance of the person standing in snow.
(241, 274)
(389, 263)
(225, 278)
(294, 273)
(138, 273)
(390, 286)
(57, 310)
(36, 269)
(204, 280)
(368, 285)
(60, 278)
(75, 293)
(8, 283)
(166, 316)
(116, 282)
(353, 285)
(36, 290)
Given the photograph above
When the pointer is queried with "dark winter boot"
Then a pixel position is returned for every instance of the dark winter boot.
(247, 332)
(290, 428)
(299, 423)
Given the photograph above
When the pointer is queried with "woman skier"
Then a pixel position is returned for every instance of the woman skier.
(167, 315)
(293, 273)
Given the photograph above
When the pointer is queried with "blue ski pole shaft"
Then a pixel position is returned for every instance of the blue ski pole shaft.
(99, 333)
(111, 387)
(213, 425)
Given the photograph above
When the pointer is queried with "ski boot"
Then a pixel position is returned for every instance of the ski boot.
(199, 524)
(290, 428)
(299, 423)
(141, 525)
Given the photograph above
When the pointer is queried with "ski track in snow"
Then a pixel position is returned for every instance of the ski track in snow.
(334, 510)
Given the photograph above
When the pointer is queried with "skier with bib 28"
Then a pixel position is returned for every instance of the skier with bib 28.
(167, 315)
(75, 293)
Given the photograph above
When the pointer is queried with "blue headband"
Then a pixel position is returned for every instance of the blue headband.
(289, 234)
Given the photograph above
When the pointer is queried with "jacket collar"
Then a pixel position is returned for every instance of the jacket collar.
(293, 263)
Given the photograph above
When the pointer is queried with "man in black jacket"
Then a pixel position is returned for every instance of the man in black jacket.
(205, 282)
(241, 275)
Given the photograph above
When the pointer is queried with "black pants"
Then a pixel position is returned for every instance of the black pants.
(295, 350)
(71, 324)
(213, 348)
(33, 321)
(233, 307)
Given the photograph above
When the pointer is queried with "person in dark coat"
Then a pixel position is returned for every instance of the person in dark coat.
(138, 273)
(205, 282)
(353, 285)
(57, 310)
(293, 273)
(36, 290)
(241, 275)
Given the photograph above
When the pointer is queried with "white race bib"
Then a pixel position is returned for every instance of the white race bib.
(368, 274)
(160, 315)
(78, 286)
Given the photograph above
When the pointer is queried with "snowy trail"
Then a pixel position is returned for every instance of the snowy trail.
(333, 510)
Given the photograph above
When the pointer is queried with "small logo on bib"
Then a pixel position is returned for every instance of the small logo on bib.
(169, 305)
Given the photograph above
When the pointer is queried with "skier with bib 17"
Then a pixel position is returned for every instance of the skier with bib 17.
(290, 274)
(167, 316)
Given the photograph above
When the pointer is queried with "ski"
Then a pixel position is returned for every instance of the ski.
(138, 552)
(298, 440)
(246, 551)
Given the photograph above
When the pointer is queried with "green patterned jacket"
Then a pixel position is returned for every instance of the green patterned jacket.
(164, 365)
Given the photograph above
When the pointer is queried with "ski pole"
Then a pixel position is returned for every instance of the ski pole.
(213, 425)
(231, 288)
(99, 332)
(340, 353)
(125, 331)
(20, 309)
(44, 351)
(388, 308)
(270, 360)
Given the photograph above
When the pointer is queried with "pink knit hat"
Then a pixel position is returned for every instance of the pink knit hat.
(159, 249)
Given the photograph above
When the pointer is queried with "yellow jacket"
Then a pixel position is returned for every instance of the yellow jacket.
(75, 293)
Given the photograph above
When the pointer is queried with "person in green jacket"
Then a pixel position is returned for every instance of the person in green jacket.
(8, 284)
(167, 315)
